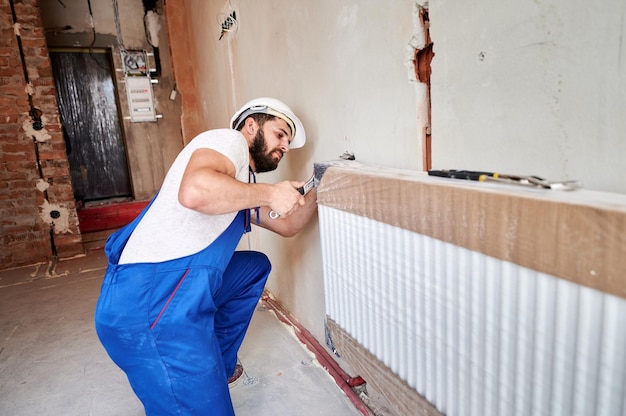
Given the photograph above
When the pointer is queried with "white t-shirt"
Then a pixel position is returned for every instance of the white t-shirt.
(170, 231)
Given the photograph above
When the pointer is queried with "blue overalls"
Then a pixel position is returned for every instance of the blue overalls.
(175, 327)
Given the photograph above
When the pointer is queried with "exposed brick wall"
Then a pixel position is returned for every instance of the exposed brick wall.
(34, 197)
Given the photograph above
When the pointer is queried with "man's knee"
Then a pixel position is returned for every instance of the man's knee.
(255, 262)
(262, 261)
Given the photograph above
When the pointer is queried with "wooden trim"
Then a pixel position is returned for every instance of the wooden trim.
(184, 66)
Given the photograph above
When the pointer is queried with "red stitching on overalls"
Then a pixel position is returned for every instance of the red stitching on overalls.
(180, 282)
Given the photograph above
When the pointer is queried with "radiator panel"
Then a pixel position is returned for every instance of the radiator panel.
(473, 334)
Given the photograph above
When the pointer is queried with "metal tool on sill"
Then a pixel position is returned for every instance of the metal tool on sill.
(304, 189)
(532, 181)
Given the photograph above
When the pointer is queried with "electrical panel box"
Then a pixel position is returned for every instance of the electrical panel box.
(140, 98)
(135, 62)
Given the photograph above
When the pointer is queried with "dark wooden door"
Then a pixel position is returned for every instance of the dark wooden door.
(91, 124)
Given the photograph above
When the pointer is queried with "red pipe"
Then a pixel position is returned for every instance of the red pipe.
(343, 380)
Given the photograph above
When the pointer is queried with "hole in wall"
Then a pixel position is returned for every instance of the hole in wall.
(422, 59)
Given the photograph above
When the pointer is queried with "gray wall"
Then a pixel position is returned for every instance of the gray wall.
(531, 88)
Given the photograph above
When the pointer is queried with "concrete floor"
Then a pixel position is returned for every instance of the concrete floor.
(51, 362)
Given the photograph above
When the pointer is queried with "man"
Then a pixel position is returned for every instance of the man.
(177, 298)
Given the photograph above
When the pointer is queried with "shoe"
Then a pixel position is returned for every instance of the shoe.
(236, 377)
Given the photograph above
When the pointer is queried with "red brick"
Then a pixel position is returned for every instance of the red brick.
(12, 157)
(23, 166)
(9, 102)
(54, 128)
(7, 50)
(7, 176)
(8, 42)
(53, 172)
(56, 197)
(29, 41)
(22, 103)
(7, 33)
(16, 89)
(52, 155)
(7, 71)
(45, 81)
(11, 124)
(21, 184)
(31, 210)
(18, 254)
(15, 147)
(70, 250)
(67, 238)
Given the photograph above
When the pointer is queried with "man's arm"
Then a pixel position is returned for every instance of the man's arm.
(288, 226)
(209, 186)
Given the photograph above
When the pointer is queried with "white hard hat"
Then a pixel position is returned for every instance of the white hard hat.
(275, 108)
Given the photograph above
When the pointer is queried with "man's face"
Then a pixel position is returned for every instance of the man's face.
(270, 143)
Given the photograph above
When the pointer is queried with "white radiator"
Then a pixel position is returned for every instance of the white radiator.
(473, 334)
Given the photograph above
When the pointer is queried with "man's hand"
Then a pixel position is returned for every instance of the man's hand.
(285, 198)
(294, 221)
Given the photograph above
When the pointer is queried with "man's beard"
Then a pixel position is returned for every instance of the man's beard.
(263, 161)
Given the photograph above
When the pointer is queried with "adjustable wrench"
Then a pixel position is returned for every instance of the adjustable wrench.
(304, 189)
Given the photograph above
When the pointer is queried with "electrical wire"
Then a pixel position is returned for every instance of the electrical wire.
(93, 26)
(118, 28)
(93, 40)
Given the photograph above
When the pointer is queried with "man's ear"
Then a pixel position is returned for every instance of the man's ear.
(250, 126)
